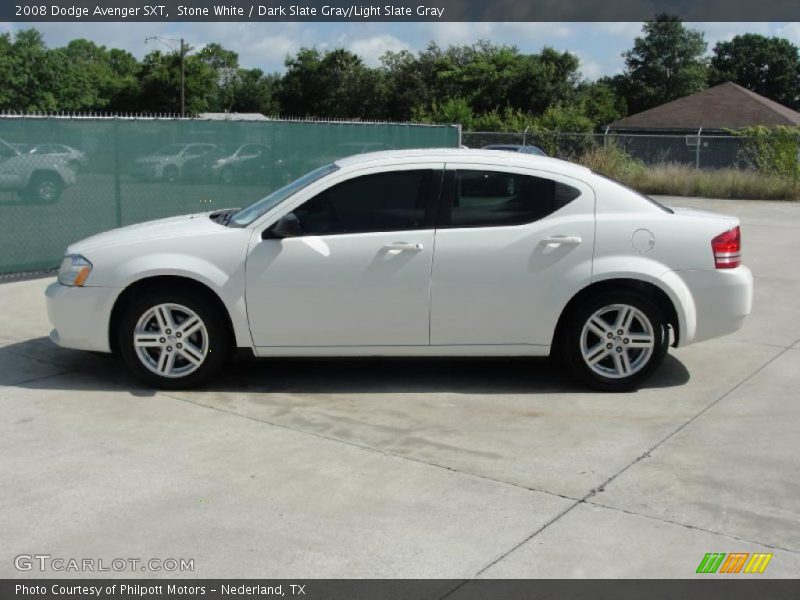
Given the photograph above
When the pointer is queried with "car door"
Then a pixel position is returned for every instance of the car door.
(359, 275)
(512, 247)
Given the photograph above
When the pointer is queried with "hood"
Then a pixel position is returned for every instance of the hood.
(171, 227)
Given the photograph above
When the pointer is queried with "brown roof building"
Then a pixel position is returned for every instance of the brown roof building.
(722, 107)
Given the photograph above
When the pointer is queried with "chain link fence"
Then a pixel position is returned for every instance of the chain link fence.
(63, 179)
(701, 151)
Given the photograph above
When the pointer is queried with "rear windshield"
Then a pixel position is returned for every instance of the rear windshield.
(641, 195)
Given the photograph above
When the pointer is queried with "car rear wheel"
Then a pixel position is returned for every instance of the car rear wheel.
(173, 340)
(615, 341)
(45, 188)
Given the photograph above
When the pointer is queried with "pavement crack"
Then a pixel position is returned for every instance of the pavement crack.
(529, 538)
(647, 453)
(689, 526)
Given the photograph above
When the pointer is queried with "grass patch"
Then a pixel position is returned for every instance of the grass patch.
(671, 179)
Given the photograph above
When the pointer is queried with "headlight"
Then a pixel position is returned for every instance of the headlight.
(74, 270)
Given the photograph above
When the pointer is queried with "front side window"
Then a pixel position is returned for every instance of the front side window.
(495, 199)
(247, 215)
(393, 201)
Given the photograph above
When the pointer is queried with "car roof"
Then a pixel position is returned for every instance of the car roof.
(490, 157)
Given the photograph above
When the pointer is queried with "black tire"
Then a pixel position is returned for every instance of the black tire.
(640, 363)
(219, 343)
(45, 188)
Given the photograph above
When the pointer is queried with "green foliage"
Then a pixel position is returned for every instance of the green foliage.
(664, 64)
(452, 110)
(600, 103)
(489, 78)
(766, 65)
(83, 76)
(684, 180)
(482, 84)
(612, 161)
(771, 150)
(333, 83)
(31, 81)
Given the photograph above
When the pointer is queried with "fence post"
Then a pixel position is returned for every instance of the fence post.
(697, 150)
(117, 168)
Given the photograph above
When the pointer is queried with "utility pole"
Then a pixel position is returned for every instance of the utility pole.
(183, 79)
(184, 50)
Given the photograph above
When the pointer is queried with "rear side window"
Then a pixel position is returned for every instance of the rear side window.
(392, 201)
(640, 194)
(494, 198)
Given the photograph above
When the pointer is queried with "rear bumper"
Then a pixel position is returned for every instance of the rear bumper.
(80, 316)
(722, 299)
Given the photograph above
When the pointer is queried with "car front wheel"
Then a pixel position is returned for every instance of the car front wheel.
(173, 340)
(615, 341)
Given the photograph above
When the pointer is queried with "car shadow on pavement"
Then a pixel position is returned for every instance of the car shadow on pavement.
(333, 375)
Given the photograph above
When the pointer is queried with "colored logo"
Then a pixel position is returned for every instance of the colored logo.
(735, 562)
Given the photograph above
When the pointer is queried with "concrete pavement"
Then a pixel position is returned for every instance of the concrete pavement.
(414, 468)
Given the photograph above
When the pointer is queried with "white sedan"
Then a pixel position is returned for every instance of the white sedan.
(412, 253)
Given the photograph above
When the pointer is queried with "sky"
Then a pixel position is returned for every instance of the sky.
(265, 45)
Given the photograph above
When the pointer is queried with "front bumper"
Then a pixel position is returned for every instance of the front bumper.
(723, 299)
(80, 316)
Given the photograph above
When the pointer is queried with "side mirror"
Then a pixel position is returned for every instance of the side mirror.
(287, 226)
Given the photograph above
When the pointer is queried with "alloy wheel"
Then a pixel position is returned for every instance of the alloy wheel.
(171, 340)
(46, 190)
(617, 341)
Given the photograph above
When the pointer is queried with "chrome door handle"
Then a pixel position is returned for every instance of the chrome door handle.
(567, 240)
(403, 247)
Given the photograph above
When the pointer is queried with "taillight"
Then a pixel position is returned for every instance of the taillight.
(727, 248)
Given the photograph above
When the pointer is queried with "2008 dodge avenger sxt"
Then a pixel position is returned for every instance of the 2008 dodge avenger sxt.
(412, 253)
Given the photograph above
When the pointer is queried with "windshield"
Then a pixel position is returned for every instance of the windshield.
(247, 215)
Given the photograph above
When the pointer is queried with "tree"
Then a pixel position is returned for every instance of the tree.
(125, 91)
(31, 83)
(452, 110)
(253, 91)
(225, 64)
(333, 83)
(161, 87)
(599, 103)
(766, 65)
(6, 71)
(488, 77)
(664, 64)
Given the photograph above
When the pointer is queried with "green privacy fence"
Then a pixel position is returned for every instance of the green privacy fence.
(63, 179)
